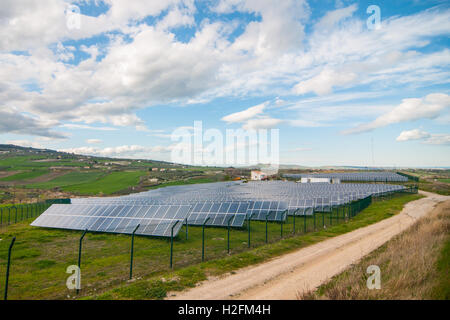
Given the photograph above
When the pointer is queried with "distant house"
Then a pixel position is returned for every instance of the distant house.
(162, 169)
(258, 175)
(154, 169)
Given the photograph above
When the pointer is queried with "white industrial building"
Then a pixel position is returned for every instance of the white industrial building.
(319, 180)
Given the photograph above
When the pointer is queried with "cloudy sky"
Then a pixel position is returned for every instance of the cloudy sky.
(117, 77)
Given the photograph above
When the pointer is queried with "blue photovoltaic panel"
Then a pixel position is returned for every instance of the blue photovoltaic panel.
(154, 220)
(158, 210)
(270, 210)
(219, 213)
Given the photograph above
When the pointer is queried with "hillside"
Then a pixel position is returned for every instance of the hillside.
(36, 174)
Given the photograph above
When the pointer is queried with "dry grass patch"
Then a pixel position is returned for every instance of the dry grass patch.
(411, 265)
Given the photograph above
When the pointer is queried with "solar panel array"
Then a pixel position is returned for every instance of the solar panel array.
(157, 211)
(155, 220)
(380, 176)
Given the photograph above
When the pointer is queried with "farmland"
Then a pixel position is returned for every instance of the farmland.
(30, 175)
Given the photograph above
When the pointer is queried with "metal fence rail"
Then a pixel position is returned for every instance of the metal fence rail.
(18, 212)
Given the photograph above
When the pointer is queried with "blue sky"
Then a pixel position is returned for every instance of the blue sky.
(116, 78)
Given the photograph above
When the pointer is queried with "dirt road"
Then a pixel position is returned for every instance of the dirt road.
(284, 277)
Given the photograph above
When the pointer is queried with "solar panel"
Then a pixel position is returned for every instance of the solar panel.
(158, 210)
(382, 176)
(270, 210)
(219, 213)
(154, 220)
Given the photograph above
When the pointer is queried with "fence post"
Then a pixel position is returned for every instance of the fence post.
(267, 216)
(295, 213)
(9, 215)
(7, 267)
(281, 226)
(304, 221)
(331, 216)
(186, 222)
(15, 216)
(228, 234)
(171, 244)
(314, 218)
(323, 220)
(1, 216)
(250, 217)
(132, 251)
(203, 238)
(79, 254)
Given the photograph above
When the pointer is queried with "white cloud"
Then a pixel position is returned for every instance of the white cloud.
(246, 114)
(86, 127)
(334, 17)
(324, 82)
(261, 123)
(131, 151)
(425, 137)
(25, 143)
(414, 134)
(438, 139)
(412, 109)
(28, 24)
(253, 118)
(144, 65)
(94, 141)
(17, 123)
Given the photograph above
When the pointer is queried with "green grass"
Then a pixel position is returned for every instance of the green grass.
(29, 163)
(442, 291)
(183, 182)
(41, 256)
(108, 184)
(25, 175)
(69, 179)
(444, 180)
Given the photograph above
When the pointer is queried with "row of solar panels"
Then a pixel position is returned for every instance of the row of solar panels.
(159, 216)
(267, 190)
(383, 176)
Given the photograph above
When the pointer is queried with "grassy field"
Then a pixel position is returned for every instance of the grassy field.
(41, 256)
(414, 265)
(108, 184)
(32, 162)
(436, 187)
(69, 179)
(25, 175)
(183, 182)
